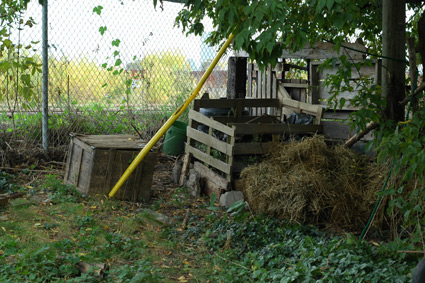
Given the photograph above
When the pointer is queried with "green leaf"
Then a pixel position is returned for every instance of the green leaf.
(237, 206)
(213, 199)
(102, 30)
(212, 202)
(97, 10)
(116, 42)
(339, 21)
(7, 42)
(118, 62)
(342, 102)
(320, 5)
(329, 4)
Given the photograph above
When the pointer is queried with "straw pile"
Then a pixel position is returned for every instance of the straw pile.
(309, 182)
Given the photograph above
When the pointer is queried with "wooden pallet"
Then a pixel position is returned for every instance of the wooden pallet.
(217, 148)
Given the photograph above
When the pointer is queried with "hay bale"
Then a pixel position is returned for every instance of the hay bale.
(309, 182)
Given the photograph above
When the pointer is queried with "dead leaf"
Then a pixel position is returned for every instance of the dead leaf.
(182, 279)
(1, 252)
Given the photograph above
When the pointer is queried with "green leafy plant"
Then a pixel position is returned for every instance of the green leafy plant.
(59, 192)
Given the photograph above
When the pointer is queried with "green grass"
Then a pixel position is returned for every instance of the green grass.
(43, 242)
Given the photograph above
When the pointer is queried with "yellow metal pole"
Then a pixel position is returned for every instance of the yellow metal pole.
(169, 122)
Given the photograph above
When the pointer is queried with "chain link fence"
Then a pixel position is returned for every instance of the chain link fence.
(115, 67)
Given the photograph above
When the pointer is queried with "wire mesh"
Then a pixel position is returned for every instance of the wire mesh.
(115, 67)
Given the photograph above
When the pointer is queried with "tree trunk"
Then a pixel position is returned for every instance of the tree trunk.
(393, 63)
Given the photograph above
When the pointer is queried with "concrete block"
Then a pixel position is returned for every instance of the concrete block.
(229, 198)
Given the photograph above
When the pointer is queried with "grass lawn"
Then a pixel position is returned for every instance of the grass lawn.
(52, 234)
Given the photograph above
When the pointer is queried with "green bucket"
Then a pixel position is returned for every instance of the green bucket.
(175, 138)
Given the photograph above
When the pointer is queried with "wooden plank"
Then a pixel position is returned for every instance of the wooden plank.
(111, 166)
(110, 141)
(295, 85)
(185, 167)
(233, 103)
(87, 163)
(259, 84)
(314, 89)
(320, 51)
(269, 79)
(230, 157)
(252, 129)
(218, 164)
(210, 122)
(282, 92)
(210, 131)
(146, 177)
(244, 119)
(78, 166)
(264, 91)
(315, 110)
(260, 88)
(209, 174)
(249, 91)
(274, 86)
(279, 67)
(338, 115)
(303, 95)
(253, 148)
(239, 109)
(275, 95)
(80, 144)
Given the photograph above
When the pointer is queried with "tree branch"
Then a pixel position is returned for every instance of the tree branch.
(369, 127)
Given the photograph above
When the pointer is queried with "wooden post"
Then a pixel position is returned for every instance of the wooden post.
(236, 80)
(393, 65)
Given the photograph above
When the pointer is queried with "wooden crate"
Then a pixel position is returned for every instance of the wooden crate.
(95, 163)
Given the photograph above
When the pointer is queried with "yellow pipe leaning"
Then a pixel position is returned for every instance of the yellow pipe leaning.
(169, 122)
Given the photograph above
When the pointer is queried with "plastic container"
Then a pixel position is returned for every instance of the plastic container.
(175, 139)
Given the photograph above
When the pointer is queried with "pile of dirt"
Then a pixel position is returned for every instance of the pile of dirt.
(310, 182)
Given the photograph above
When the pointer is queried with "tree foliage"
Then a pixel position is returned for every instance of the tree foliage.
(265, 28)
(16, 65)
(163, 76)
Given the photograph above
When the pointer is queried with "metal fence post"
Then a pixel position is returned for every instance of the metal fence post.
(45, 58)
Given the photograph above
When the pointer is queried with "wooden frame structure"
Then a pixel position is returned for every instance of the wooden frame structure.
(224, 137)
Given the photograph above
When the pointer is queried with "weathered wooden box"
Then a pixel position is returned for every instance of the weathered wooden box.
(96, 162)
